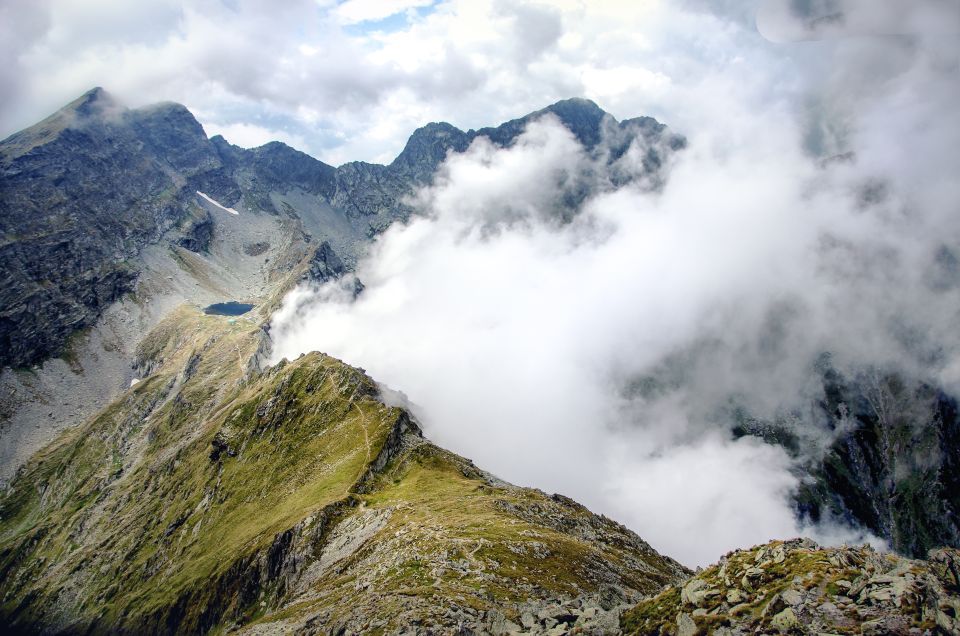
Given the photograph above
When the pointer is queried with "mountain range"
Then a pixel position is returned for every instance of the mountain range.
(162, 478)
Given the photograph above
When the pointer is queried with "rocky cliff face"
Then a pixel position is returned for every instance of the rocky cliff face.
(80, 194)
(212, 496)
(893, 465)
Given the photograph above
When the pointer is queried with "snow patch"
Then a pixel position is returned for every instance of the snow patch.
(219, 205)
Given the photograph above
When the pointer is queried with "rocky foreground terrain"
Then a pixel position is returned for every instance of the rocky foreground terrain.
(797, 587)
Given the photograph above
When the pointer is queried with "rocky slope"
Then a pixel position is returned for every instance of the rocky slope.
(213, 495)
(797, 587)
(248, 256)
(85, 191)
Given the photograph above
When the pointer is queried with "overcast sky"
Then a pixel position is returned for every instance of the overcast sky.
(350, 80)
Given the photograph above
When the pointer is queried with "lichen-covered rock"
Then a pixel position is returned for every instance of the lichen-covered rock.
(797, 587)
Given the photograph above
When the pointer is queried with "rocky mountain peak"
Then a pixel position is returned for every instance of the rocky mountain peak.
(84, 191)
(582, 116)
(282, 166)
(89, 108)
(169, 114)
(428, 147)
(175, 135)
(91, 103)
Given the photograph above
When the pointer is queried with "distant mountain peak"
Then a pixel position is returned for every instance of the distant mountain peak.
(92, 103)
(429, 144)
(578, 103)
(89, 106)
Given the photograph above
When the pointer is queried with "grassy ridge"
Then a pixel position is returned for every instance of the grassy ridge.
(210, 496)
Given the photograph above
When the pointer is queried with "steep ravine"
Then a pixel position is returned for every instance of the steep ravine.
(892, 465)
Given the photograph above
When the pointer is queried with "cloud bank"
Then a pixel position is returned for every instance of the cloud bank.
(815, 209)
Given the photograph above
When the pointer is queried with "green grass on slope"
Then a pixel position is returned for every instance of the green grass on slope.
(454, 539)
(125, 514)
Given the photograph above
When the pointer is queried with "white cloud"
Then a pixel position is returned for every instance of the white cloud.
(471, 62)
(526, 343)
(784, 20)
(252, 136)
(608, 84)
(717, 483)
